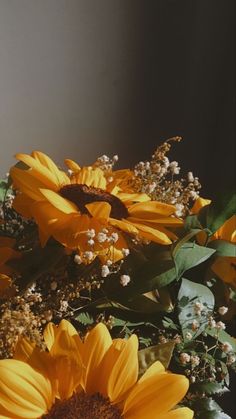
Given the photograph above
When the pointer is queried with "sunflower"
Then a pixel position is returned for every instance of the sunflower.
(94, 378)
(76, 209)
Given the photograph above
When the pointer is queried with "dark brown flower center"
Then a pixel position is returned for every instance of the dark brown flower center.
(82, 195)
(84, 406)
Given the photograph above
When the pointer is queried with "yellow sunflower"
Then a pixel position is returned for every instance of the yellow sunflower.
(75, 209)
(95, 378)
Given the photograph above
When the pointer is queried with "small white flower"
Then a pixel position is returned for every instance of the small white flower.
(152, 187)
(63, 305)
(231, 359)
(198, 306)
(184, 358)
(192, 379)
(220, 326)
(195, 325)
(211, 322)
(91, 242)
(114, 237)
(188, 336)
(105, 271)
(226, 347)
(125, 252)
(179, 210)
(190, 177)
(109, 262)
(101, 237)
(115, 157)
(195, 360)
(166, 161)
(124, 280)
(222, 310)
(88, 255)
(77, 259)
(91, 233)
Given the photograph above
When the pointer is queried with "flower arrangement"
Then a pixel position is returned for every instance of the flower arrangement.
(117, 291)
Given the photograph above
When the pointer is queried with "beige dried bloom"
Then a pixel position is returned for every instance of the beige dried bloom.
(157, 178)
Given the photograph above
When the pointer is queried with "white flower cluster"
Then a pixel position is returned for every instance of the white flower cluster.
(106, 163)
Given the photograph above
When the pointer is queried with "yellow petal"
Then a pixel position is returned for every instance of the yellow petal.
(49, 334)
(124, 226)
(99, 210)
(151, 209)
(91, 177)
(68, 373)
(227, 231)
(198, 204)
(96, 344)
(225, 268)
(24, 349)
(26, 183)
(130, 198)
(23, 391)
(155, 368)
(59, 175)
(181, 413)
(40, 172)
(167, 221)
(22, 204)
(124, 372)
(152, 234)
(72, 165)
(157, 393)
(59, 202)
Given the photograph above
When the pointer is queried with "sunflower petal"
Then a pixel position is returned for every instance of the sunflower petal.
(62, 204)
(23, 391)
(123, 225)
(99, 210)
(151, 209)
(124, 371)
(157, 393)
(59, 175)
(181, 413)
(96, 344)
(72, 165)
(39, 171)
(152, 234)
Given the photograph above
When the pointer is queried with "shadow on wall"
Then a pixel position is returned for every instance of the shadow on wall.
(84, 78)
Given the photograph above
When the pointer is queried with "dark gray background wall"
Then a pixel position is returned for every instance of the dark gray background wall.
(80, 78)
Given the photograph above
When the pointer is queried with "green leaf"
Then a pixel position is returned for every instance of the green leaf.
(209, 388)
(214, 215)
(177, 245)
(190, 255)
(193, 292)
(207, 408)
(222, 336)
(223, 248)
(192, 222)
(162, 352)
(214, 414)
(3, 190)
(85, 319)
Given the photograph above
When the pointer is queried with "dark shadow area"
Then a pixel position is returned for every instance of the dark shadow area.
(183, 84)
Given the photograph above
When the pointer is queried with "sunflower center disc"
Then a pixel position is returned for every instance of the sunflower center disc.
(82, 195)
(84, 406)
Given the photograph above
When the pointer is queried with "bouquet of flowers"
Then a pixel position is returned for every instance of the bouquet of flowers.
(117, 291)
